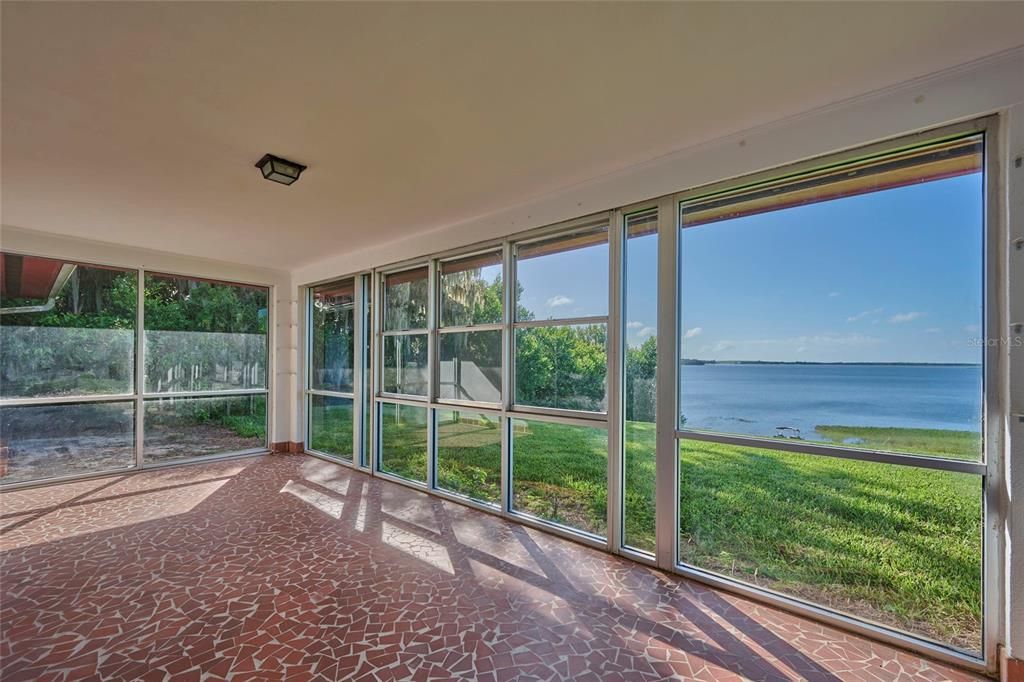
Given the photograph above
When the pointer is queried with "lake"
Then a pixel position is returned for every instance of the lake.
(756, 399)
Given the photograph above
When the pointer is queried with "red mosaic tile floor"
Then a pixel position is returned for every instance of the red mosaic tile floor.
(291, 568)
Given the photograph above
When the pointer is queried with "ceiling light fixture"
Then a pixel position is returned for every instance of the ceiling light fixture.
(279, 170)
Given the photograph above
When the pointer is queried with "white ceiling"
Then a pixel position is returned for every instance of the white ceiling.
(139, 123)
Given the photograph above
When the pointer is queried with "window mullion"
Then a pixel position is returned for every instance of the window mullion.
(615, 369)
(666, 506)
(140, 365)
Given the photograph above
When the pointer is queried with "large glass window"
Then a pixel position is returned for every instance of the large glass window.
(640, 317)
(469, 454)
(837, 311)
(561, 321)
(67, 331)
(560, 473)
(204, 336)
(827, 381)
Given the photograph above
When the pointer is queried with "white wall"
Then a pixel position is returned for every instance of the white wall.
(33, 242)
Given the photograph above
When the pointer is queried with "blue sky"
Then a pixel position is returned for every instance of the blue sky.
(891, 276)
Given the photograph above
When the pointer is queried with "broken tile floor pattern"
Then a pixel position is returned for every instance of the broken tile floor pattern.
(290, 567)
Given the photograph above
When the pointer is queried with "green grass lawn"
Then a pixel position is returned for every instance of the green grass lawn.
(895, 544)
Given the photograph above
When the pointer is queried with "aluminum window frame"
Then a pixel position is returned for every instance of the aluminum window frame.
(380, 334)
(437, 330)
(617, 449)
(995, 378)
(139, 396)
(145, 396)
(591, 223)
(354, 395)
(667, 377)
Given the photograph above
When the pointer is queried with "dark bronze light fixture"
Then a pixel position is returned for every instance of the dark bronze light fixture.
(279, 170)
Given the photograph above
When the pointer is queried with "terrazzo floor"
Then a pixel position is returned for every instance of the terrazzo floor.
(287, 567)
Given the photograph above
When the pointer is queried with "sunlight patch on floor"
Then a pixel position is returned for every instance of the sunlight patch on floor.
(109, 513)
(417, 546)
(325, 503)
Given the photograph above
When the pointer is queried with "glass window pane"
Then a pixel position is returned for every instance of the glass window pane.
(640, 313)
(44, 441)
(560, 473)
(333, 329)
(180, 428)
(841, 306)
(405, 364)
(204, 336)
(563, 277)
(403, 450)
(563, 367)
(471, 291)
(893, 544)
(469, 454)
(330, 426)
(66, 329)
(471, 366)
(405, 300)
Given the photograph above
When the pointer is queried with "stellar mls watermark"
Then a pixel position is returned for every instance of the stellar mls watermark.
(1015, 341)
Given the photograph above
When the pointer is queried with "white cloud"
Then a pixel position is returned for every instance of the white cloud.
(906, 317)
(861, 316)
(932, 330)
(690, 333)
(833, 294)
(972, 329)
(646, 331)
(801, 349)
(634, 325)
(558, 300)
